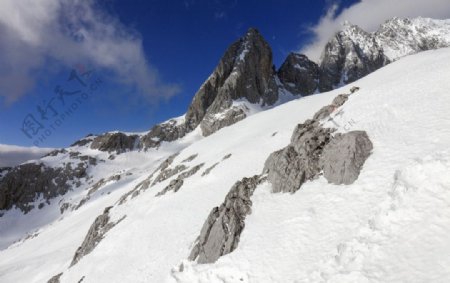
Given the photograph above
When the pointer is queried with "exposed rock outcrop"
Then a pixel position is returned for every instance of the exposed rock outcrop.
(144, 185)
(222, 229)
(313, 149)
(84, 141)
(299, 75)
(55, 279)
(343, 158)
(326, 111)
(176, 184)
(24, 184)
(212, 123)
(289, 168)
(209, 169)
(169, 172)
(190, 158)
(118, 142)
(4, 171)
(167, 131)
(98, 229)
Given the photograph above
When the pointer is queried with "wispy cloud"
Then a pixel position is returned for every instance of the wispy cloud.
(369, 14)
(68, 32)
(220, 15)
(11, 155)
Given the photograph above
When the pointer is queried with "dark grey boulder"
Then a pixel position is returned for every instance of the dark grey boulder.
(190, 158)
(343, 157)
(209, 169)
(227, 156)
(55, 279)
(222, 229)
(299, 75)
(354, 89)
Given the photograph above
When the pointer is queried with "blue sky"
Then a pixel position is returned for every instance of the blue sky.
(151, 58)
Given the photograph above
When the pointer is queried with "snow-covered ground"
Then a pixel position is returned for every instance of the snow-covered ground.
(391, 225)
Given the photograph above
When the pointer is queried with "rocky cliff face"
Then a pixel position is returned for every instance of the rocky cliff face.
(24, 184)
(351, 54)
(299, 75)
(402, 36)
(354, 53)
(245, 72)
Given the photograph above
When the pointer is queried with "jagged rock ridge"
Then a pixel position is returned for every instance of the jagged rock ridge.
(354, 53)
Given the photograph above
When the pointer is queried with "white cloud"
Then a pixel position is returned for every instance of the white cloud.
(369, 14)
(11, 155)
(69, 32)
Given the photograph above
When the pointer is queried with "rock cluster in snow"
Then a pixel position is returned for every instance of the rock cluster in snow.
(176, 183)
(311, 150)
(314, 149)
(222, 229)
(24, 184)
(102, 224)
(118, 142)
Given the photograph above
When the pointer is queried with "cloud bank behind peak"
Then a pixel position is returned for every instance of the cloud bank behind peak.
(369, 14)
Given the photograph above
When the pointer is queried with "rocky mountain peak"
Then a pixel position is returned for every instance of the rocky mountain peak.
(403, 36)
(353, 53)
(244, 72)
(299, 75)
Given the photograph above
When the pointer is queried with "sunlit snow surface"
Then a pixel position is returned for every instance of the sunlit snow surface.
(391, 225)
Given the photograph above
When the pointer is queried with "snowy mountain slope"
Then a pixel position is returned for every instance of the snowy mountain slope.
(244, 82)
(390, 225)
(323, 232)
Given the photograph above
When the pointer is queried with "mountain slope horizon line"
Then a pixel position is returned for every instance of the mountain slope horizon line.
(245, 81)
(246, 71)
